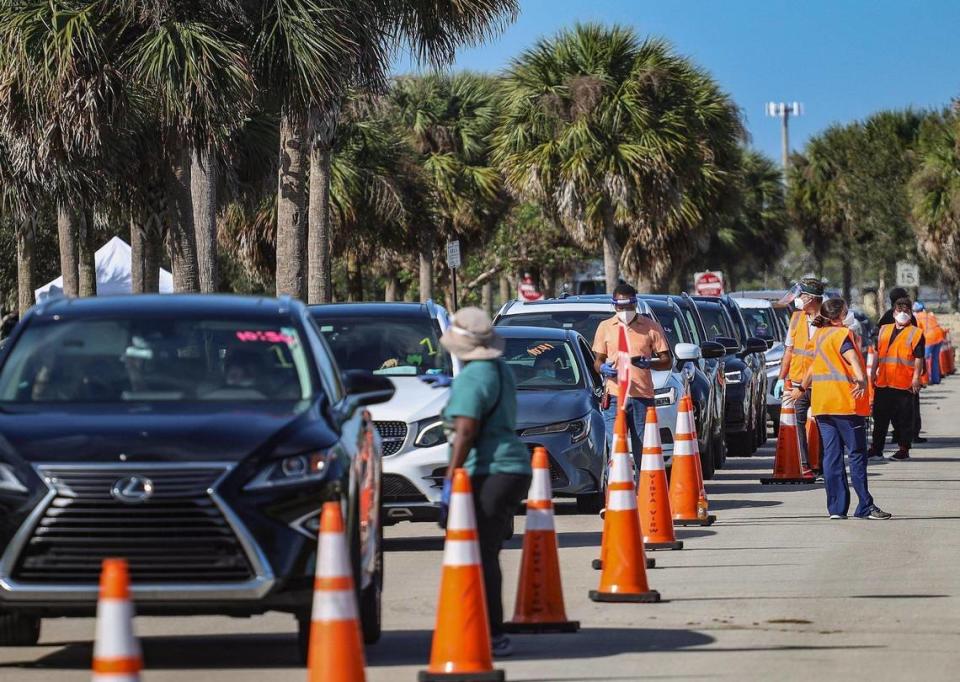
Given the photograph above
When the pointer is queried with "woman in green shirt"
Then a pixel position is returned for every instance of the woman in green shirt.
(482, 416)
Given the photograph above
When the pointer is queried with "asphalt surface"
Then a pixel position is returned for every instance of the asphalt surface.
(774, 590)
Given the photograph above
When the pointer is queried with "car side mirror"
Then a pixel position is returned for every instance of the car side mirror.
(729, 344)
(755, 345)
(366, 388)
(686, 352)
(711, 350)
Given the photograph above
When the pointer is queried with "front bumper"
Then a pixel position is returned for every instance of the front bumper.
(190, 549)
(412, 484)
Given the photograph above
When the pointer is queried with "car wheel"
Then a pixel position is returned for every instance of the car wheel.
(19, 630)
(708, 458)
(303, 638)
(740, 444)
(371, 599)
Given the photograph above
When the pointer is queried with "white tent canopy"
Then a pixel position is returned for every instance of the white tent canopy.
(113, 262)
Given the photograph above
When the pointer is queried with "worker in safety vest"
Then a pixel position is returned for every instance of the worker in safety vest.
(897, 377)
(933, 337)
(799, 352)
(838, 383)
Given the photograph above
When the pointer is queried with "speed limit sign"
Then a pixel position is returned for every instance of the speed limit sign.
(908, 274)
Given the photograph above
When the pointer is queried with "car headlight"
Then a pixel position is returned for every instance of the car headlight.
(734, 377)
(578, 429)
(664, 398)
(9, 483)
(295, 470)
(430, 433)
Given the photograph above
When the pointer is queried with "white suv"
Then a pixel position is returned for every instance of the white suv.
(584, 314)
(401, 341)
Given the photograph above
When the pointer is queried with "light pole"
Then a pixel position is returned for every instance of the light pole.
(783, 111)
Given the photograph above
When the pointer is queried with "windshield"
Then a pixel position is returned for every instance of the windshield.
(672, 325)
(542, 364)
(156, 359)
(783, 313)
(714, 321)
(394, 346)
(760, 323)
(584, 322)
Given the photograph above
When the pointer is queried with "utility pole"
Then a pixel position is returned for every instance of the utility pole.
(783, 111)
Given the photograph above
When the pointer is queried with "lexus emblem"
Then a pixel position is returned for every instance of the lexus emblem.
(132, 489)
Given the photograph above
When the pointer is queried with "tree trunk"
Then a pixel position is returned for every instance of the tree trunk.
(882, 292)
(86, 250)
(847, 266)
(26, 238)
(504, 289)
(69, 257)
(323, 128)
(611, 257)
(291, 221)
(182, 238)
(204, 179)
(354, 278)
(138, 263)
(486, 297)
(426, 271)
(549, 276)
(391, 286)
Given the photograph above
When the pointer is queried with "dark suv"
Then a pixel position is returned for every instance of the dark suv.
(195, 436)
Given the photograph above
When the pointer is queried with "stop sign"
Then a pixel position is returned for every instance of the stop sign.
(708, 283)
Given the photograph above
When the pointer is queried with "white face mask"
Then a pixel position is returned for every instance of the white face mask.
(798, 303)
(626, 316)
(849, 319)
(901, 317)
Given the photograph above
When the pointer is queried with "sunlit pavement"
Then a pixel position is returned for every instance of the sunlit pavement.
(774, 590)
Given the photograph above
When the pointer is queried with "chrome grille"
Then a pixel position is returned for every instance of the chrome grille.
(392, 434)
(176, 535)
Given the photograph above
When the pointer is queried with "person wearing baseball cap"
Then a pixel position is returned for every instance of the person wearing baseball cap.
(798, 356)
(481, 418)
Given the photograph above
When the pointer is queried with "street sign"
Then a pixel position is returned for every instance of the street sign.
(527, 289)
(708, 283)
(908, 274)
(453, 254)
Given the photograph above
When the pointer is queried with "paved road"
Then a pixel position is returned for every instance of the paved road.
(773, 591)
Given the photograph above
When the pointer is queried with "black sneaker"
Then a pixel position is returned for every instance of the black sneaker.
(501, 647)
(919, 439)
(874, 454)
(877, 514)
(901, 455)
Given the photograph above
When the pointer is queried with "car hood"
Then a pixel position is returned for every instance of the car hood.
(412, 401)
(140, 433)
(537, 408)
(660, 377)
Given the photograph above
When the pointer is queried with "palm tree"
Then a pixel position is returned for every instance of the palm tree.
(935, 196)
(618, 137)
(16, 196)
(449, 121)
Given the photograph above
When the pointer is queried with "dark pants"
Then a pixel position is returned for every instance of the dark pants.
(839, 432)
(496, 498)
(917, 422)
(896, 406)
(636, 418)
(802, 408)
(933, 354)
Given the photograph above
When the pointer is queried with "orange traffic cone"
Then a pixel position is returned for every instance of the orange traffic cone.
(624, 576)
(461, 638)
(620, 439)
(688, 500)
(116, 652)
(653, 497)
(813, 444)
(336, 648)
(787, 467)
(539, 606)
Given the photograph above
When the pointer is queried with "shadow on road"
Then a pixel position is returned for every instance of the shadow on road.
(757, 487)
(723, 503)
(412, 647)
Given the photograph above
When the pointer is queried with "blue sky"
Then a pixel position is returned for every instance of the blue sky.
(842, 58)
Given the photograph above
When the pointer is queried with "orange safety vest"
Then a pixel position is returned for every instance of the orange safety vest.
(896, 360)
(833, 378)
(799, 334)
(932, 331)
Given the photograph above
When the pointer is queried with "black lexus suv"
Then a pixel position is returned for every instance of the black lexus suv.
(195, 436)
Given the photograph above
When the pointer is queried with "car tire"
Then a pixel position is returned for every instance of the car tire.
(740, 444)
(19, 630)
(303, 638)
(590, 503)
(708, 459)
(371, 599)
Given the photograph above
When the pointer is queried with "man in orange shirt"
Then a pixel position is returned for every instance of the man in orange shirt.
(648, 348)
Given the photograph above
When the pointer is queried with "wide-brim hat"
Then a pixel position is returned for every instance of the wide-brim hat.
(471, 336)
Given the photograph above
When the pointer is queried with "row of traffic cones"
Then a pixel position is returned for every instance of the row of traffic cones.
(461, 642)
